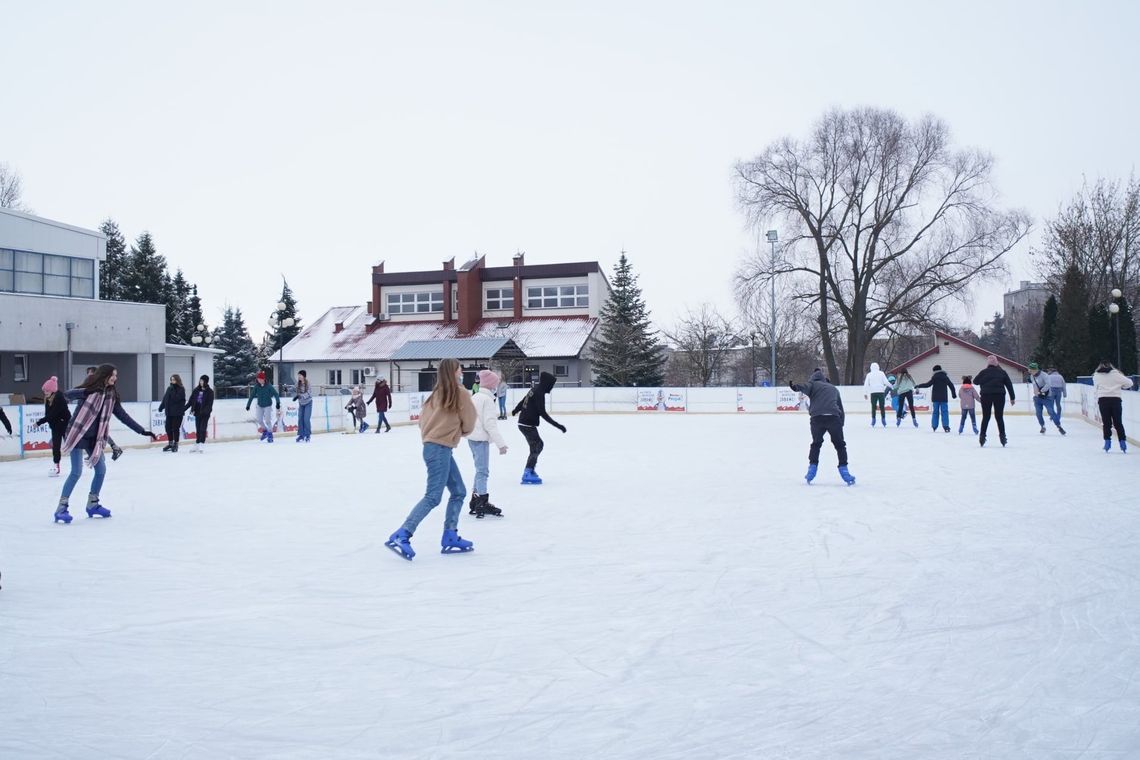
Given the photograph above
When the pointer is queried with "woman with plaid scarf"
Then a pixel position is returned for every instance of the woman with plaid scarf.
(88, 432)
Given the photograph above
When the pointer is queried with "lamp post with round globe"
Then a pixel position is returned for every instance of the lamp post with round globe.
(1114, 310)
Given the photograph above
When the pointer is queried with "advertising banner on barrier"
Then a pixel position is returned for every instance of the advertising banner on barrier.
(35, 438)
(158, 423)
(660, 399)
(289, 418)
(740, 402)
(415, 404)
(921, 401)
(788, 400)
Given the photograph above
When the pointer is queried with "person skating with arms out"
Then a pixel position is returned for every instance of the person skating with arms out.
(938, 384)
(265, 394)
(56, 414)
(826, 416)
(967, 395)
(447, 415)
(87, 433)
(201, 405)
(1043, 397)
(485, 434)
(1109, 382)
(116, 452)
(876, 386)
(531, 409)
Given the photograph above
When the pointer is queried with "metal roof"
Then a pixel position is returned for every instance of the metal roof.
(454, 348)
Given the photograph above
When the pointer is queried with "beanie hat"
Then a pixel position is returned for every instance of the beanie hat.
(51, 385)
(260, 375)
(1033, 365)
(937, 367)
(991, 360)
(488, 379)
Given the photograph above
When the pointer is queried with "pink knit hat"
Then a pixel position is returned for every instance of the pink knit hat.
(51, 385)
(488, 379)
(991, 360)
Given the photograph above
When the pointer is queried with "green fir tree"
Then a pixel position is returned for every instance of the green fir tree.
(178, 291)
(237, 366)
(145, 279)
(1127, 338)
(1043, 354)
(280, 336)
(1072, 348)
(627, 352)
(113, 269)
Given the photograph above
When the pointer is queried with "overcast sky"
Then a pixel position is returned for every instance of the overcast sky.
(312, 140)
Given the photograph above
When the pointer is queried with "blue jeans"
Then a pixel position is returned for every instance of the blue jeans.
(502, 406)
(441, 471)
(77, 469)
(941, 410)
(1056, 396)
(381, 420)
(1045, 402)
(305, 420)
(481, 452)
(973, 420)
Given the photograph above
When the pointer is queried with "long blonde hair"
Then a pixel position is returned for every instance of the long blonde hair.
(448, 394)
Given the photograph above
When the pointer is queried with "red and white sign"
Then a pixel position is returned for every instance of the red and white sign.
(660, 399)
(788, 400)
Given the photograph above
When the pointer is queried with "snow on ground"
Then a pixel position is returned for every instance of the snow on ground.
(674, 589)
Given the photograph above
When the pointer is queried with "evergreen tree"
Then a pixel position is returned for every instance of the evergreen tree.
(178, 328)
(1043, 355)
(114, 267)
(194, 315)
(628, 351)
(282, 335)
(1127, 328)
(1102, 340)
(145, 280)
(237, 366)
(994, 336)
(1072, 348)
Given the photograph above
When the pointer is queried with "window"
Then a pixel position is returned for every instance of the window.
(42, 273)
(20, 374)
(334, 377)
(562, 370)
(500, 298)
(423, 302)
(358, 377)
(29, 272)
(558, 297)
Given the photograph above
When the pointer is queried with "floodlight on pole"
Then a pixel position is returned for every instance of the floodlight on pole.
(773, 238)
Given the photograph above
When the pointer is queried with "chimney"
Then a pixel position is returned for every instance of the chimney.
(517, 260)
(368, 307)
(449, 264)
(338, 327)
(377, 269)
(470, 290)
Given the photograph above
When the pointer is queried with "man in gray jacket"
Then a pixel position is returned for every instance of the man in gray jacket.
(1057, 389)
(827, 416)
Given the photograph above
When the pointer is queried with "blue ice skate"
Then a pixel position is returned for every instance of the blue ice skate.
(96, 509)
(1123, 446)
(363, 426)
(812, 468)
(270, 438)
(914, 420)
(848, 478)
(62, 515)
(452, 543)
(1107, 445)
(264, 434)
(400, 542)
(530, 478)
(873, 420)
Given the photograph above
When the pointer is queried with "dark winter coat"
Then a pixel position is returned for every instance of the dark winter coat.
(4, 421)
(173, 401)
(201, 401)
(56, 413)
(532, 408)
(993, 381)
(824, 397)
(383, 395)
(938, 384)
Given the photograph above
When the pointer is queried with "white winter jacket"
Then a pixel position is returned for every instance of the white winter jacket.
(876, 381)
(486, 419)
(1110, 384)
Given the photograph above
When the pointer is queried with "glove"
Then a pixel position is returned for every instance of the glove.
(502, 449)
(562, 428)
(514, 412)
(792, 386)
(153, 436)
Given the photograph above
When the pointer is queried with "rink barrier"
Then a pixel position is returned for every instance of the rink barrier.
(231, 422)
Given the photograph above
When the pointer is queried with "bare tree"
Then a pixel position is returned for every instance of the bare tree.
(888, 223)
(701, 342)
(11, 189)
(797, 343)
(1099, 232)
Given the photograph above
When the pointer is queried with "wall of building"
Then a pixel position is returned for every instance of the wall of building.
(31, 233)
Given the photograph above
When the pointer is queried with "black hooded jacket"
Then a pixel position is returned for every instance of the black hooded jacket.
(938, 384)
(56, 414)
(533, 404)
(824, 397)
(993, 381)
(201, 401)
(173, 401)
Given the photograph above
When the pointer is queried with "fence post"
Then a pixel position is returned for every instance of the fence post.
(22, 429)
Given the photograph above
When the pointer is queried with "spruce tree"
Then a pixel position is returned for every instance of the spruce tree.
(1102, 342)
(145, 280)
(1043, 355)
(1127, 327)
(193, 316)
(177, 309)
(1072, 348)
(627, 351)
(114, 267)
(237, 366)
(282, 335)
(994, 336)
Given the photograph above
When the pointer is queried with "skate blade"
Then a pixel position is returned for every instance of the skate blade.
(398, 550)
(456, 550)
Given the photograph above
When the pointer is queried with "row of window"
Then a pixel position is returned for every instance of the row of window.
(46, 274)
(497, 299)
(358, 377)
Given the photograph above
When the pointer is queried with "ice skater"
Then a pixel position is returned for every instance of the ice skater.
(99, 399)
(967, 395)
(303, 395)
(486, 432)
(265, 394)
(1043, 397)
(56, 414)
(174, 404)
(904, 395)
(383, 396)
(358, 410)
(876, 385)
(826, 416)
(531, 409)
(1057, 389)
(116, 452)
(938, 384)
(501, 397)
(201, 405)
(1109, 382)
(993, 383)
(447, 415)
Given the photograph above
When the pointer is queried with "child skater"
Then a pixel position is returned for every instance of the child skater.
(56, 414)
(88, 433)
(967, 396)
(485, 433)
(358, 409)
(531, 409)
(827, 416)
(447, 416)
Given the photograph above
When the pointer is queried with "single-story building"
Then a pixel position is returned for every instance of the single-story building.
(957, 358)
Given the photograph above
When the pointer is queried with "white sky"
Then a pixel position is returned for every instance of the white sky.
(291, 138)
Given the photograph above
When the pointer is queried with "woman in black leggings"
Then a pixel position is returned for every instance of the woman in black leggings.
(993, 383)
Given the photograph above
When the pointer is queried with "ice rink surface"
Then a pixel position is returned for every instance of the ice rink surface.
(673, 590)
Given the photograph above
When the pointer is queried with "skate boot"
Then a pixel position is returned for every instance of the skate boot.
(1061, 430)
(174, 448)
(884, 419)
(264, 435)
(914, 420)
(530, 478)
(960, 429)
(489, 508)
(975, 429)
(61, 513)
(810, 476)
(270, 438)
(387, 428)
(363, 427)
(94, 508)
(400, 542)
(1123, 446)
(452, 543)
(898, 421)
(116, 452)
(1107, 445)
(848, 478)
(1042, 431)
(873, 421)
(476, 506)
(299, 438)
(54, 471)
(1003, 441)
(168, 447)
(945, 429)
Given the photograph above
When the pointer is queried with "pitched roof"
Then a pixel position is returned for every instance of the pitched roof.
(453, 348)
(362, 338)
(939, 336)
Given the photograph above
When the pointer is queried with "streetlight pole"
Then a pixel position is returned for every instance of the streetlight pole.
(277, 322)
(1114, 309)
(773, 238)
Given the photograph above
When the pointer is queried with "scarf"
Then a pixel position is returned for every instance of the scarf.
(96, 407)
